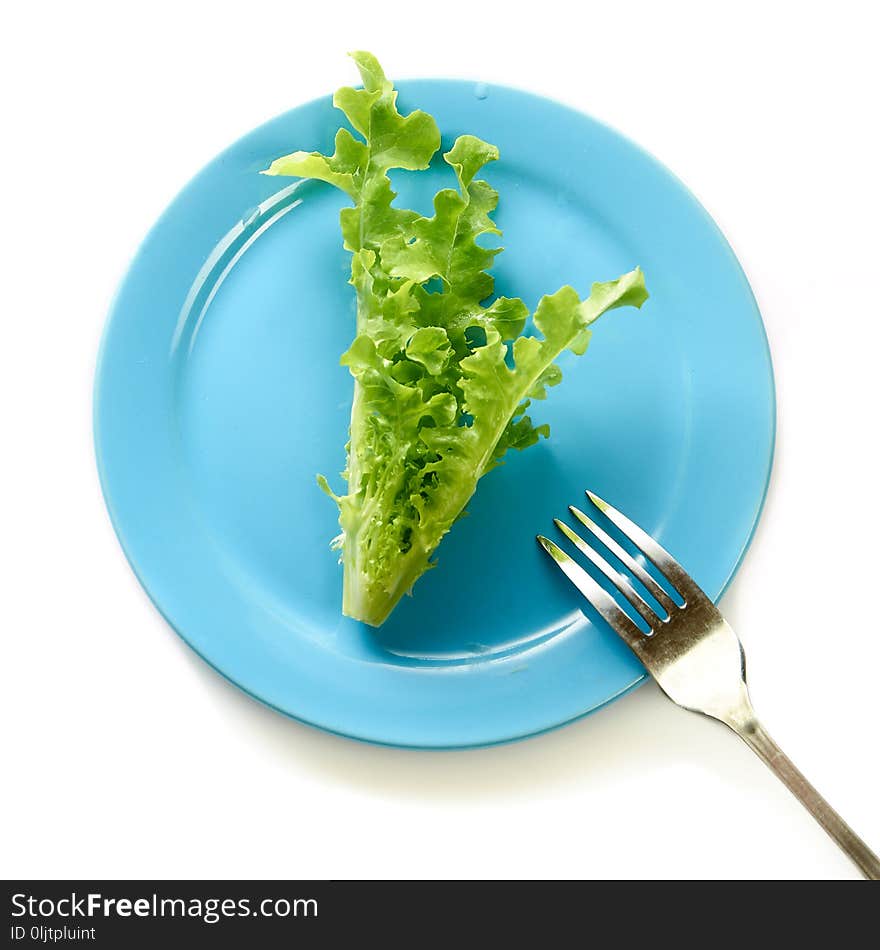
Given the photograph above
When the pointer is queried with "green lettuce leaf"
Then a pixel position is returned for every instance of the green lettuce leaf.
(442, 379)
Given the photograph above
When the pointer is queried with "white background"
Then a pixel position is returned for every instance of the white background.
(125, 756)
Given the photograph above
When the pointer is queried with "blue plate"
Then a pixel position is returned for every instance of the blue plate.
(219, 395)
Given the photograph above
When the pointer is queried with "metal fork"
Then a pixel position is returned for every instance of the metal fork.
(691, 651)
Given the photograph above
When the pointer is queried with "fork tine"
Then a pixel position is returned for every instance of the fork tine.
(616, 578)
(626, 558)
(661, 558)
(599, 598)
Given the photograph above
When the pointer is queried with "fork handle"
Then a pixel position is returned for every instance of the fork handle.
(756, 737)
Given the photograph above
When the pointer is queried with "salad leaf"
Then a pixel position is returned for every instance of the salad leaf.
(443, 378)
